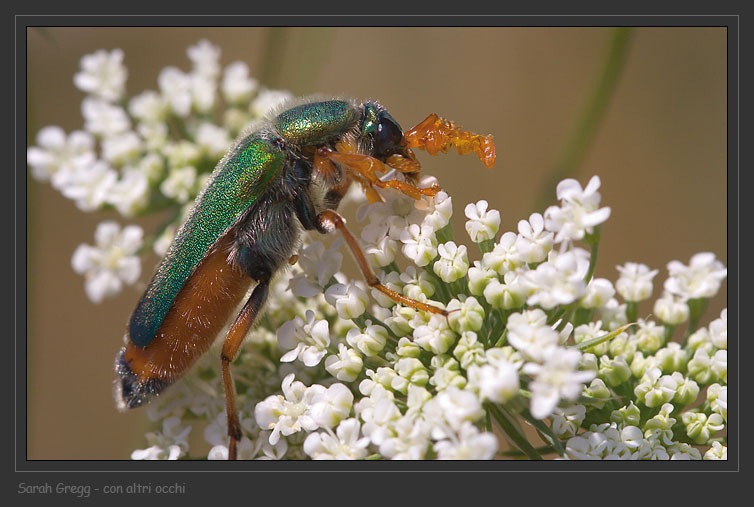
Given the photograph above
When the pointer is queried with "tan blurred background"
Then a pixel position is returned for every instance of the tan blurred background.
(660, 153)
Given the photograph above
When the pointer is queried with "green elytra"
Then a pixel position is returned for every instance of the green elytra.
(239, 180)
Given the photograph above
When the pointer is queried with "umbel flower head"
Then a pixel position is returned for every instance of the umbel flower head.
(336, 370)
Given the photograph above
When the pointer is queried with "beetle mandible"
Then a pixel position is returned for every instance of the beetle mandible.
(286, 176)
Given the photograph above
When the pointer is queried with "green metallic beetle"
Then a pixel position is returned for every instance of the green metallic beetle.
(288, 175)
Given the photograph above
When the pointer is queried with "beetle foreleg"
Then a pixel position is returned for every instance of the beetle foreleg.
(366, 169)
(329, 221)
(233, 341)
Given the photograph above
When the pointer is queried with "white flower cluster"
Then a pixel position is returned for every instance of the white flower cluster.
(527, 335)
(149, 151)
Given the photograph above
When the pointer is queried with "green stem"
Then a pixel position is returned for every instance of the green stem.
(697, 308)
(507, 425)
(586, 127)
(594, 240)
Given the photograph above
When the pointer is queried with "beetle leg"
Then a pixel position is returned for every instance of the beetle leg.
(329, 221)
(366, 167)
(236, 334)
(438, 135)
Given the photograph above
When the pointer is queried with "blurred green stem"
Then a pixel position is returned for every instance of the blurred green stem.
(583, 133)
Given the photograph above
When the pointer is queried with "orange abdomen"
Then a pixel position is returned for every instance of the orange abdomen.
(202, 308)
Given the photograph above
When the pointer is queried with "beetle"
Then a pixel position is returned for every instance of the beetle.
(286, 176)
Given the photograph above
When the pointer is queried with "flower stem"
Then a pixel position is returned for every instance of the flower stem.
(697, 308)
(510, 429)
(586, 127)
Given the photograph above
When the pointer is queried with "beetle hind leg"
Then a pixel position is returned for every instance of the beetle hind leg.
(233, 340)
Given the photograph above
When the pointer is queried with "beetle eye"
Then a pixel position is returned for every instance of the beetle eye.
(389, 135)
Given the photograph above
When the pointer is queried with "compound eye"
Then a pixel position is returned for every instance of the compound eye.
(389, 135)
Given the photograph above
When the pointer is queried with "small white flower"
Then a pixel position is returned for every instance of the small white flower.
(559, 281)
(410, 371)
(479, 277)
(349, 300)
(120, 149)
(180, 184)
(699, 427)
(635, 282)
(650, 336)
(435, 336)
(468, 443)
(318, 265)
(175, 86)
(719, 365)
(370, 342)
(102, 118)
(148, 107)
(655, 388)
(446, 373)
(613, 314)
(717, 452)
(213, 140)
(579, 212)
(671, 310)
(205, 58)
(331, 406)
(465, 316)
(504, 257)
(614, 371)
(482, 224)
(57, 157)
(203, 92)
(558, 377)
(346, 365)
(169, 444)
(103, 75)
(439, 212)
(598, 293)
(112, 262)
(344, 444)
(419, 244)
(456, 406)
(508, 294)
(496, 381)
(408, 438)
(246, 450)
(700, 279)
(307, 341)
(672, 358)
(453, 262)
(90, 186)
(155, 136)
(533, 242)
(717, 396)
(237, 86)
(566, 421)
(416, 283)
(288, 413)
(718, 330)
(268, 101)
(531, 339)
(130, 193)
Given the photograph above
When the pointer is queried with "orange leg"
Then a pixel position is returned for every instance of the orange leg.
(438, 135)
(329, 221)
(236, 334)
(366, 168)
